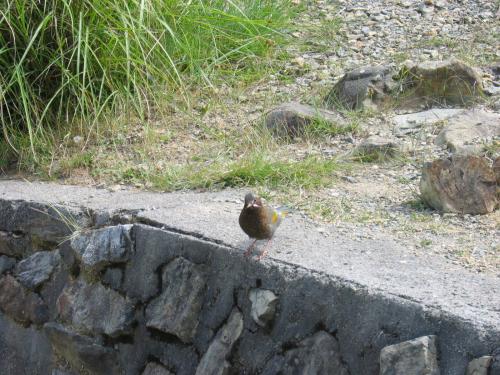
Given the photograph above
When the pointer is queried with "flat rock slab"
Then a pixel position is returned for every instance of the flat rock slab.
(413, 122)
(388, 269)
(468, 131)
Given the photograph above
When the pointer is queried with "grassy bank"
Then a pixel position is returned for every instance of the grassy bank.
(69, 68)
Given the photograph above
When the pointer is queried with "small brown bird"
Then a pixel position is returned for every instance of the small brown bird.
(259, 221)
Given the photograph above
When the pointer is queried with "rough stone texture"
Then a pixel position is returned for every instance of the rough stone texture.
(176, 310)
(467, 132)
(370, 292)
(153, 368)
(496, 169)
(263, 306)
(21, 304)
(495, 364)
(36, 269)
(84, 306)
(291, 119)
(62, 372)
(414, 357)
(13, 243)
(99, 248)
(113, 277)
(318, 354)
(446, 82)
(479, 366)
(141, 280)
(461, 184)
(82, 352)
(23, 351)
(376, 148)
(413, 122)
(6, 264)
(214, 361)
(33, 226)
(362, 87)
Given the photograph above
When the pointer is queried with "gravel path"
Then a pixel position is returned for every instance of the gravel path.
(334, 37)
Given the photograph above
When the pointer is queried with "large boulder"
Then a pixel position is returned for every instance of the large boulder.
(84, 305)
(81, 352)
(294, 119)
(469, 131)
(449, 82)
(21, 304)
(368, 86)
(414, 357)
(214, 361)
(177, 308)
(460, 184)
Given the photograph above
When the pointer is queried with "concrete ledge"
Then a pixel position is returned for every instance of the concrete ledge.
(364, 295)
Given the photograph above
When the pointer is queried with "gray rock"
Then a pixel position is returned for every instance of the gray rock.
(413, 357)
(82, 352)
(33, 226)
(21, 304)
(6, 264)
(84, 306)
(23, 351)
(36, 269)
(467, 132)
(152, 249)
(461, 184)
(496, 170)
(479, 366)
(214, 361)
(413, 122)
(318, 355)
(177, 308)
(99, 248)
(153, 368)
(495, 364)
(14, 244)
(376, 148)
(445, 82)
(62, 372)
(292, 119)
(113, 277)
(366, 86)
(263, 306)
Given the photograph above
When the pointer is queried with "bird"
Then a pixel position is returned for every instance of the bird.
(259, 221)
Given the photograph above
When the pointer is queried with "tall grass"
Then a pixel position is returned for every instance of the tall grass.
(69, 61)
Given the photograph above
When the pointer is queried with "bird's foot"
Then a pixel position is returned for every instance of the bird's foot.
(262, 255)
(248, 251)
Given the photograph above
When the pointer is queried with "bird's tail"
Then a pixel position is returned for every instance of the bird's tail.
(284, 210)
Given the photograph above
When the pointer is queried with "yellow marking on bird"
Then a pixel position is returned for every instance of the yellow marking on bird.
(275, 217)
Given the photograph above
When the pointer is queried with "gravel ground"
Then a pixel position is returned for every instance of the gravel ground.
(334, 37)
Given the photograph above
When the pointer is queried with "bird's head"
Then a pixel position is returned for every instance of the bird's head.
(251, 201)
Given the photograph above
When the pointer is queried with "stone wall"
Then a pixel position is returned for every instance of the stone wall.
(85, 292)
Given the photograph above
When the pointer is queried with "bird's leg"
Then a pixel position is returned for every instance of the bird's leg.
(249, 250)
(264, 252)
